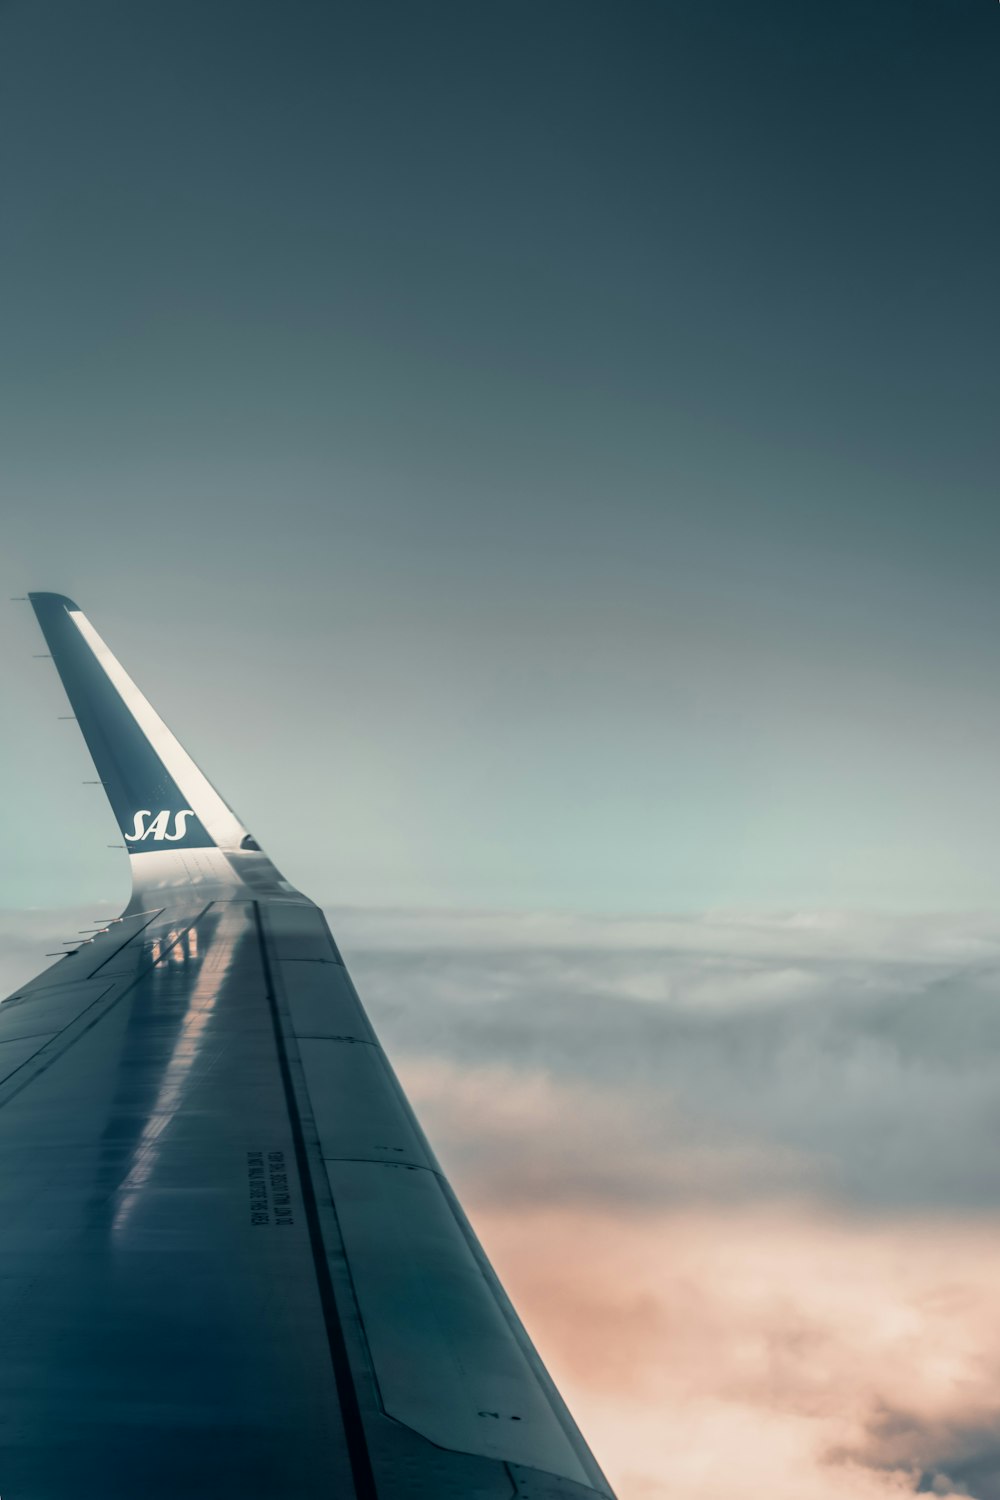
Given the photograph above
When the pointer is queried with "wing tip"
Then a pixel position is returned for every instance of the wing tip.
(43, 598)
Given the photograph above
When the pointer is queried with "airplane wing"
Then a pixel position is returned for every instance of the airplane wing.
(230, 1265)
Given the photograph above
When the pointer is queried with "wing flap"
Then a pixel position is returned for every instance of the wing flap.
(322, 1002)
(425, 1304)
(358, 1108)
(297, 932)
(428, 1299)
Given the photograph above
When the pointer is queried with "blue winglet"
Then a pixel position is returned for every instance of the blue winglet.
(161, 799)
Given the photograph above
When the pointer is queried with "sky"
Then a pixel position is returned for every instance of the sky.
(565, 433)
(541, 460)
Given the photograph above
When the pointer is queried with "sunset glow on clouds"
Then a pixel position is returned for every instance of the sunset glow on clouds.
(738, 1178)
(773, 1350)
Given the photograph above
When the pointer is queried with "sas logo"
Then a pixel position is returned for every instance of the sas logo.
(157, 829)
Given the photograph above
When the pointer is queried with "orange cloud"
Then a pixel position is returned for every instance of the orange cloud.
(724, 1355)
(727, 1352)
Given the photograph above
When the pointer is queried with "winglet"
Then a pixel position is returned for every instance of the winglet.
(162, 801)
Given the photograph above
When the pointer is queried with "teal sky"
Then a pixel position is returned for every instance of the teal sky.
(538, 455)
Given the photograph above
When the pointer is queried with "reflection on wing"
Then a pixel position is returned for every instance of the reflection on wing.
(177, 947)
(230, 1264)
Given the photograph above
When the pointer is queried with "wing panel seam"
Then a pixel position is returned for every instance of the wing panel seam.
(357, 1443)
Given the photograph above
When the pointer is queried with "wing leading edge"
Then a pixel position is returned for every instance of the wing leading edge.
(230, 1263)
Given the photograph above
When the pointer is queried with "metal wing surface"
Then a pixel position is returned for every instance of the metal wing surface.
(230, 1264)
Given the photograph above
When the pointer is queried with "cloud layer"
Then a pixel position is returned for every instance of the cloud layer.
(738, 1172)
(723, 1058)
(766, 1352)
